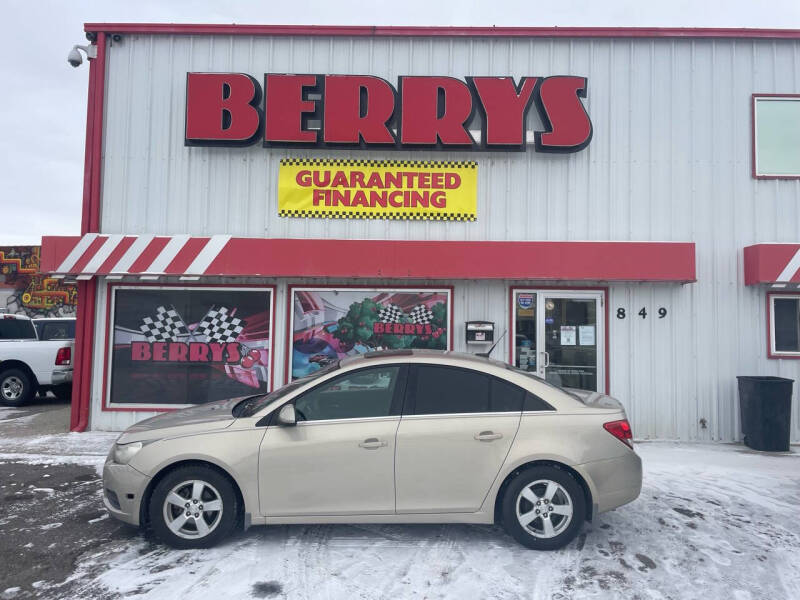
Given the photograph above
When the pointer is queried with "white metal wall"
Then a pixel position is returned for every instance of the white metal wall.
(669, 160)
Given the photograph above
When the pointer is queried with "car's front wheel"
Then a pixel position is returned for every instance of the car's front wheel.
(543, 508)
(193, 507)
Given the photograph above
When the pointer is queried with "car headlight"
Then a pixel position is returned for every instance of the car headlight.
(123, 453)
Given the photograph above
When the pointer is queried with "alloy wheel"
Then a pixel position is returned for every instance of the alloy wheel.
(12, 388)
(193, 509)
(544, 508)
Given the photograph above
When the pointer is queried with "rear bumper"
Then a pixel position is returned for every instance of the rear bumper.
(123, 488)
(616, 481)
(60, 377)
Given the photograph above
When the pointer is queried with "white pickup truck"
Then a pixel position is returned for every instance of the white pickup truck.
(29, 364)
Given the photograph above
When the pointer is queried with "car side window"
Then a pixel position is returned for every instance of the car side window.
(441, 390)
(505, 397)
(357, 395)
(16, 329)
(534, 403)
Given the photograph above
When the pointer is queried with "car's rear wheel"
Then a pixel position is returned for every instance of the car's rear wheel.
(16, 387)
(193, 507)
(543, 508)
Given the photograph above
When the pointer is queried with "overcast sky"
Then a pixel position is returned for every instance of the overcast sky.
(43, 112)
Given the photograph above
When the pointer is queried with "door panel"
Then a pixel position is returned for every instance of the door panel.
(442, 467)
(328, 468)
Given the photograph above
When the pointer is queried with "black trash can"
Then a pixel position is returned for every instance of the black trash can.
(765, 407)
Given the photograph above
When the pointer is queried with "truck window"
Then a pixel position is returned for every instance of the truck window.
(56, 330)
(16, 329)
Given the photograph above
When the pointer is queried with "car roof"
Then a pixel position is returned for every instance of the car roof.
(467, 359)
(54, 319)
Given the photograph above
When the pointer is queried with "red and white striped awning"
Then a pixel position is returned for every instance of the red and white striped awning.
(148, 256)
(774, 264)
(188, 257)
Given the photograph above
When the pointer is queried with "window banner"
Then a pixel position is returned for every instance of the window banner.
(378, 189)
(328, 324)
(180, 346)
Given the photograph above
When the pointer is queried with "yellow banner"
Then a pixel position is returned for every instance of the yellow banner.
(378, 189)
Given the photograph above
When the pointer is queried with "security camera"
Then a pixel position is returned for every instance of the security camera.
(75, 58)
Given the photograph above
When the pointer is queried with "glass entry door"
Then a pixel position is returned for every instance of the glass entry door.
(560, 335)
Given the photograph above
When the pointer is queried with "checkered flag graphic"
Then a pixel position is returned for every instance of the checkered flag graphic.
(165, 327)
(421, 315)
(218, 326)
(390, 314)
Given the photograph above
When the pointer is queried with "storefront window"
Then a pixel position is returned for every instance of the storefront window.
(785, 325)
(328, 324)
(776, 130)
(183, 346)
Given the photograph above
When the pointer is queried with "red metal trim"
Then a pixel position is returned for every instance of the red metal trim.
(90, 222)
(344, 286)
(412, 31)
(753, 97)
(567, 288)
(104, 406)
(770, 353)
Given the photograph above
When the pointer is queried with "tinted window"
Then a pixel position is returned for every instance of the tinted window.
(506, 397)
(357, 395)
(447, 390)
(16, 329)
(56, 330)
(787, 325)
(533, 402)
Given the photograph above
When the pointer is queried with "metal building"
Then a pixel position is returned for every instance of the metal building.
(654, 255)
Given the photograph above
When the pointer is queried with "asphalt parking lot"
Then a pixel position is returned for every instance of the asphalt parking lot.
(714, 521)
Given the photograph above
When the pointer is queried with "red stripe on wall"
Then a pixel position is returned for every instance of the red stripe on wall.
(186, 255)
(149, 254)
(605, 261)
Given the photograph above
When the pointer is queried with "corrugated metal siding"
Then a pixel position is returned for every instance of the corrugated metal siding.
(670, 160)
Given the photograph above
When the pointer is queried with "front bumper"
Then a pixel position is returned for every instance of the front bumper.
(617, 481)
(123, 488)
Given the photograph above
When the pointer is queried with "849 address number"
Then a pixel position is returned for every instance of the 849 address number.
(662, 312)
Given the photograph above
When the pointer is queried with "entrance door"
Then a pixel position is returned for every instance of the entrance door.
(559, 335)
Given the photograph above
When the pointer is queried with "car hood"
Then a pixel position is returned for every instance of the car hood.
(214, 415)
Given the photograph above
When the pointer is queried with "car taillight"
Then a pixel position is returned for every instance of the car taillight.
(64, 356)
(620, 430)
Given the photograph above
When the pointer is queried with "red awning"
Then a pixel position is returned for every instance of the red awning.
(152, 256)
(776, 264)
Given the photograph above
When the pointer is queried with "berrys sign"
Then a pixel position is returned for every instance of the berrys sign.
(363, 111)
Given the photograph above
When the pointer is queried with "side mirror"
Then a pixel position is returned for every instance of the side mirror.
(287, 415)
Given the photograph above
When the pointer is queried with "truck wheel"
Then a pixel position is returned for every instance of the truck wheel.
(63, 392)
(16, 387)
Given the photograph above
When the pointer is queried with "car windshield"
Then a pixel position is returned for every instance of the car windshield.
(250, 406)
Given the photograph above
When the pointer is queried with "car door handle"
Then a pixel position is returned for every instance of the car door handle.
(372, 444)
(488, 436)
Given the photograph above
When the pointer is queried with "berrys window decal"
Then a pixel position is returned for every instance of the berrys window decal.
(181, 346)
(328, 324)
(362, 111)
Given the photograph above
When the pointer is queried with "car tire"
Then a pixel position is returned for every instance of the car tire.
(179, 525)
(543, 508)
(16, 387)
(63, 392)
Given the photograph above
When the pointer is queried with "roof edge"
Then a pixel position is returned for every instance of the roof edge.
(431, 31)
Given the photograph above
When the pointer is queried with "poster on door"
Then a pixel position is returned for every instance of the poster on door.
(183, 346)
(568, 335)
(328, 324)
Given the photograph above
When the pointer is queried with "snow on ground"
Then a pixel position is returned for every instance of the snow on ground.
(713, 522)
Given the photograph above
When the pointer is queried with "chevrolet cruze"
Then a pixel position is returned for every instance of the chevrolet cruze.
(385, 437)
